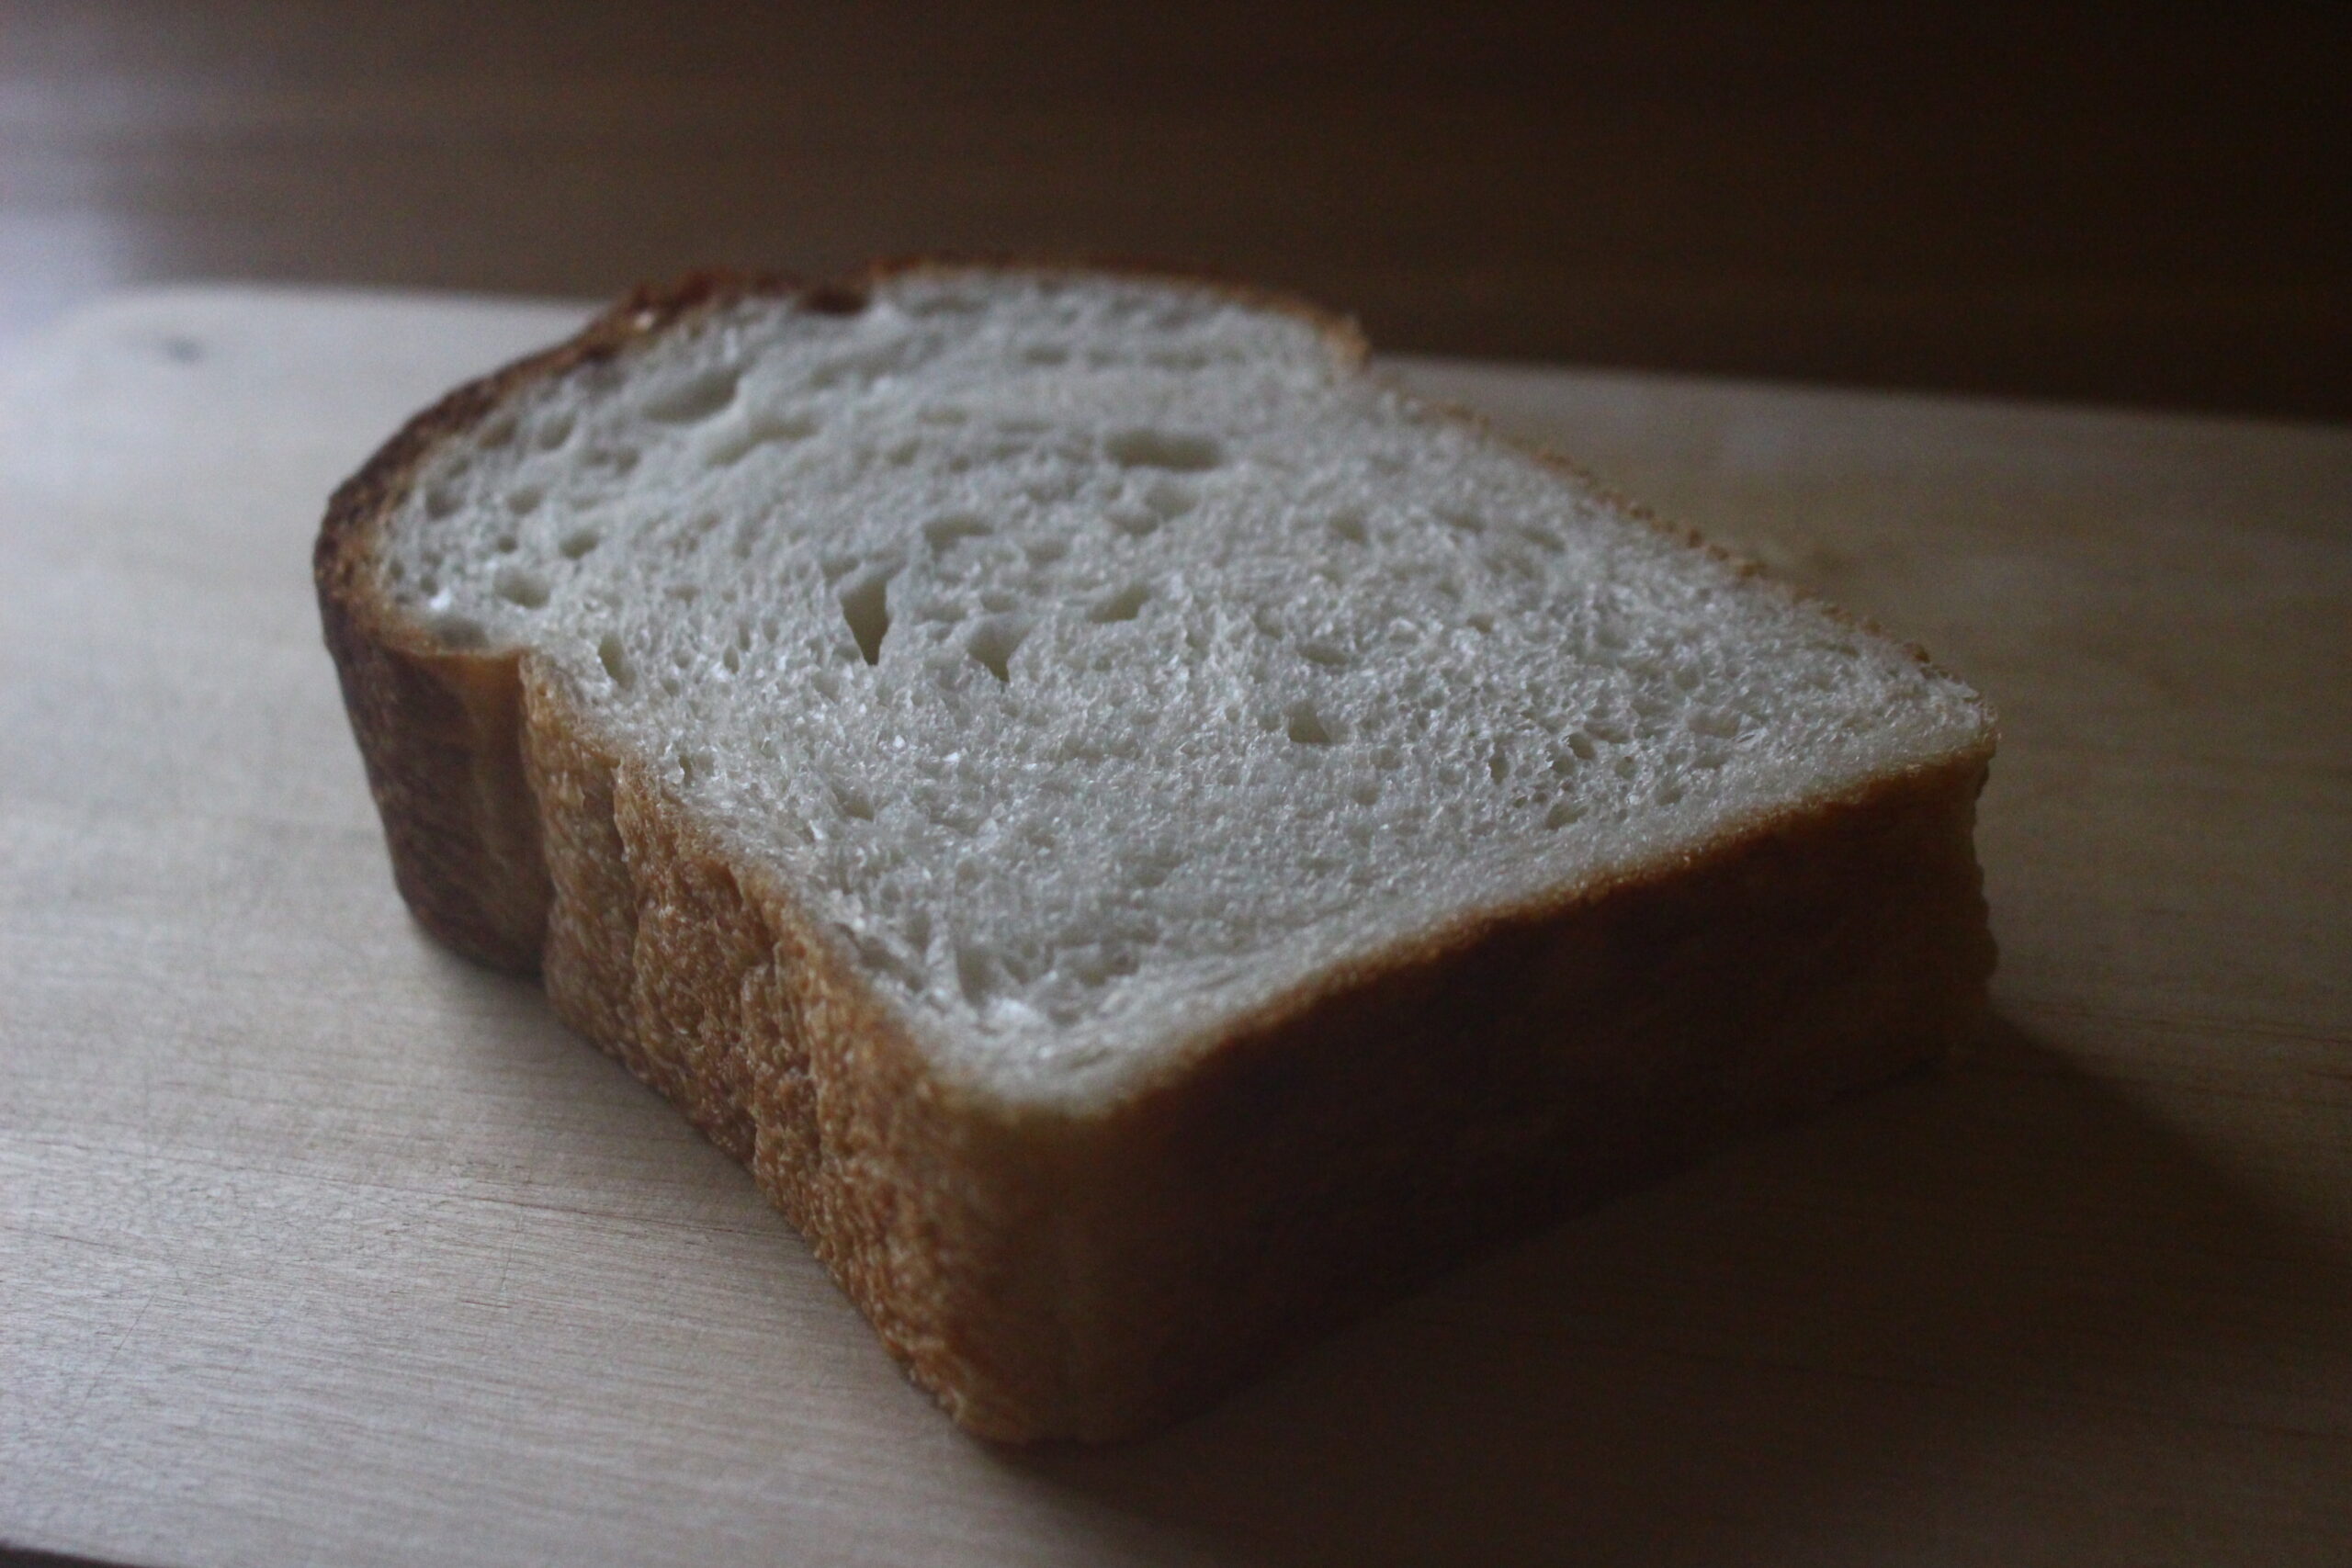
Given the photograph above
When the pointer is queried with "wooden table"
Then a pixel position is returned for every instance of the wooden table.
(317, 1244)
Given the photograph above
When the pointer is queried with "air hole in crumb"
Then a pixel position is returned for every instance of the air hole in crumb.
(1561, 815)
(1124, 605)
(519, 587)
(496, 434)
(1149, 448)
(1327, 655)
(683, 593)
(1134, 522)
(834, 299)
(615, 658)
(1348, 525)
(993, 643)
(973, 975)
(1307, 726)
(554, 432)
(1462, 518)
(759, 431)
(943, 532)
(439, 502)
(1154, 866)
(506, 544)
(1171, 499)
(865, 606)
(1045, 552)
(1499, 766)
(525, 501)
(1045, 353)
(696, 399)
(455, 630)
(854, 802)
(578, 542)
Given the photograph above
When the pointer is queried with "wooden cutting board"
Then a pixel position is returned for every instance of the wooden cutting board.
(317, 1244)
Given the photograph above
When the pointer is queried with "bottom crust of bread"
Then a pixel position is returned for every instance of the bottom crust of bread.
(1052, 1274)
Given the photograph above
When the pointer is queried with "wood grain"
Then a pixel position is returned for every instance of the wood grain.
(319, 1245)
(2056, 199)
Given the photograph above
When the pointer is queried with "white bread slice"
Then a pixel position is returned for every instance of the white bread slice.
(1145, 839)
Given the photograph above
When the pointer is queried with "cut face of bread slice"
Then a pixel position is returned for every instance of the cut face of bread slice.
(1044, 764)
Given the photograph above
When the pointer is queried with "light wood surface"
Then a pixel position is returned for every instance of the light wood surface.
(317, 1244)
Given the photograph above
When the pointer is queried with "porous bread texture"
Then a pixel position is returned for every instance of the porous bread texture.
(1057, 1245)
(1102, 659)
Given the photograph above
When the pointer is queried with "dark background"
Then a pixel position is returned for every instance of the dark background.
(2147, 205)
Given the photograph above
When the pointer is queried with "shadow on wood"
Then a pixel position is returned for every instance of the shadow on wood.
(1834, 1337)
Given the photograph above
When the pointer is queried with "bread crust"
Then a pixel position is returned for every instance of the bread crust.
(1049, 1272)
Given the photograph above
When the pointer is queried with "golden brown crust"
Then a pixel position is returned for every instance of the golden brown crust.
(1051, 1273)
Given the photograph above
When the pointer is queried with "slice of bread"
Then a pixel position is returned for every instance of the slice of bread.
(1146, 840)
